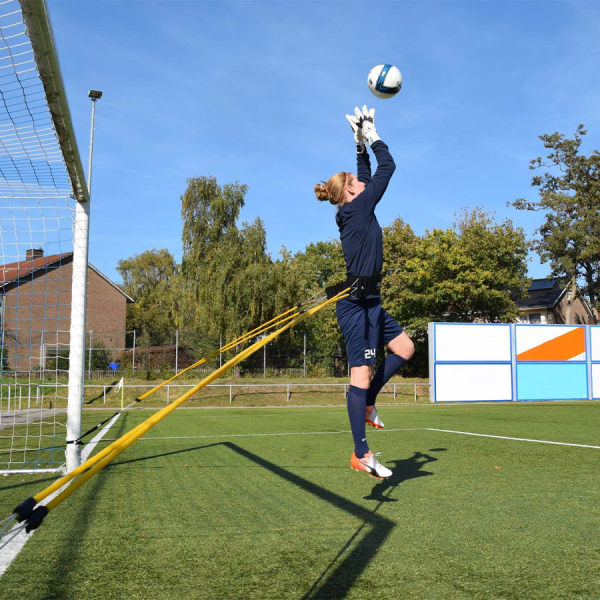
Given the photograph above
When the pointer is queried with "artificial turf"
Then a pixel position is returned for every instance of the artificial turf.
(216, 504)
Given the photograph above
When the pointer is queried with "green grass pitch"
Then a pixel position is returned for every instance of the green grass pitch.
(261, 503)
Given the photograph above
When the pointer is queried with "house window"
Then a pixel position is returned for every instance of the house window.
(535, 318)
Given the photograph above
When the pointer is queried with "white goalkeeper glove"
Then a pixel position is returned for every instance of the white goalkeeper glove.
(366, 120)
(358, 134)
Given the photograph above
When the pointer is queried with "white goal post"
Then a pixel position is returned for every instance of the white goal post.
(44, 225)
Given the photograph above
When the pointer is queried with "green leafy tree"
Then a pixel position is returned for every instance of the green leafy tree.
(210, 244)
(229, 280)
(100, 356)
(151, 279)
(321, 264)
(569, 194)
(472, 271)
(399, 244)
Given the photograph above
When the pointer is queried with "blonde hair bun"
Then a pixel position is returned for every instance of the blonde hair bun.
(322, 193)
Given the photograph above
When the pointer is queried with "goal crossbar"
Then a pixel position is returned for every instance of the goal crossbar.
(37, 20)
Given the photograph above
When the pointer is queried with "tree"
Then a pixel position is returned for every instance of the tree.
(569, 193)
(150, 278)
(473, 271)
(100, 355)
(399, 243)
(230, 286)
(321, 264)
(210, 244)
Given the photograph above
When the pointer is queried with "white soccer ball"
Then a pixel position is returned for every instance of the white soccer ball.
(384, 81)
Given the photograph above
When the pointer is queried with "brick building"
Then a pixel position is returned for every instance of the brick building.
(35, 315)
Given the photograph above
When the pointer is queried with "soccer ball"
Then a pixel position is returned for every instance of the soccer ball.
(384, 81)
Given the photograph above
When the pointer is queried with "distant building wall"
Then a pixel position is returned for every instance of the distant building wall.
(106, 311)
(37, 315)
(579, 315)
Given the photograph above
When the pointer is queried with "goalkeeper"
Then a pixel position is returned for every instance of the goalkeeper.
(364, 323)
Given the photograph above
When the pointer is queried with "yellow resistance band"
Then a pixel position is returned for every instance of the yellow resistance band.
(105, 456)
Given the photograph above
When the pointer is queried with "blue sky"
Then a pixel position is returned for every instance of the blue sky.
(256, 92)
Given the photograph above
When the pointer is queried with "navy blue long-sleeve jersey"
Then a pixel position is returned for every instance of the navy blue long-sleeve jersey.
(360, 233)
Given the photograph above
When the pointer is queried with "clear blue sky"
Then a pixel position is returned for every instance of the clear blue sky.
(257, 92)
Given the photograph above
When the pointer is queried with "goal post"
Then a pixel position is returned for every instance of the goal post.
(44, 224)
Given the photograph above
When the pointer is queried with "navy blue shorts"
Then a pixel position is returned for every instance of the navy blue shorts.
(365, 326)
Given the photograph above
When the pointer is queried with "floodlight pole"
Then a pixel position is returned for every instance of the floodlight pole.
(95, 95)
(304, 355)
(78, 311)
(176, 351)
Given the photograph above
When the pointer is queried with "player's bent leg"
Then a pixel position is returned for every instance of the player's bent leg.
(369, 464)
(402, 346)
(401, 349)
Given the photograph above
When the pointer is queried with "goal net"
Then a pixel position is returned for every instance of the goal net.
(41, 185)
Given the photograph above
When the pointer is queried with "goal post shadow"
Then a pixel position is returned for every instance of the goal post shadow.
(338, 578)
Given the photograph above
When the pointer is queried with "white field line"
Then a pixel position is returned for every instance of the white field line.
(504, 437)
(16, 544)
(236, 435)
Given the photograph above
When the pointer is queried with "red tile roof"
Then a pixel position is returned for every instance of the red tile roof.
(19, 270)
(23, 270)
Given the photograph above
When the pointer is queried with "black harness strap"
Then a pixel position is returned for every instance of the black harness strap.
(361, 286)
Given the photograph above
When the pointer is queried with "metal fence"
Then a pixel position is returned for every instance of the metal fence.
(130, 352)
(289, 387)
(117, 353)
(21, 395)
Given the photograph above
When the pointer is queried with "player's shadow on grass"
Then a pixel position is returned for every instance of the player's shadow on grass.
(353, 559)
(402, 470)
(337, 582)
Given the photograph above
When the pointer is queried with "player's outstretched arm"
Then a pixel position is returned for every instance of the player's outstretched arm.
(385, 163)
(363, 162)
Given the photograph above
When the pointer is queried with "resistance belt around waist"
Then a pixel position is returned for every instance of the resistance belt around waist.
(362, 286)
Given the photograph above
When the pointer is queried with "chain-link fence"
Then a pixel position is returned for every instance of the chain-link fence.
(132, 355)
(111, 354)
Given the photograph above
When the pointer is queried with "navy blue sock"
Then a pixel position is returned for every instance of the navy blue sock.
(357, 407)
(386, 369)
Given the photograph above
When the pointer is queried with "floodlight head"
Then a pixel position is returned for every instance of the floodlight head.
(94, 94)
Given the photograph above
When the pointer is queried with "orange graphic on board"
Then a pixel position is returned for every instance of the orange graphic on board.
(564, 347)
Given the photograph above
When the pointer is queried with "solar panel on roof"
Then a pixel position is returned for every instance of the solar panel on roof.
(542, 284)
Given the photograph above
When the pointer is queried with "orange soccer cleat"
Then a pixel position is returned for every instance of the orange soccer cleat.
(370, 465)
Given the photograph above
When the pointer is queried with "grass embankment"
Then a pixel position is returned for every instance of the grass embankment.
(280, 392)
(242, 393)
